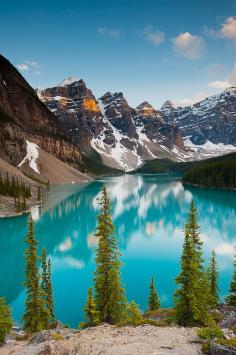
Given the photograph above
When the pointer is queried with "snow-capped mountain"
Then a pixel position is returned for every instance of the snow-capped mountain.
(123, 136)
(213, 119)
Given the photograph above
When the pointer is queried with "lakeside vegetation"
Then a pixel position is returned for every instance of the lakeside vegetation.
(214, 172)
(195, 298)
(220, 174)
(13, 187)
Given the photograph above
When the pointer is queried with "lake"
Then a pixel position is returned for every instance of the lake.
(149, 212)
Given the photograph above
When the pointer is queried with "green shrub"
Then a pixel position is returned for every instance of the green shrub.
(57, 336)
(217, 316)
(134, 316)
(227, 342)
(5, 320)
(233, 330)
(162, 316)
(206, 348)
(83, 325)
(210, 333)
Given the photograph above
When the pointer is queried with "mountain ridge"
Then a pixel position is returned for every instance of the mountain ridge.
(126, 137)
(79, 125)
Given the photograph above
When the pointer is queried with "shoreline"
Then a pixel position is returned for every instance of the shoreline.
(209, 187)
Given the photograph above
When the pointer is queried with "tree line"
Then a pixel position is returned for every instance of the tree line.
(218, 174)
(196, 295)
(14, 187)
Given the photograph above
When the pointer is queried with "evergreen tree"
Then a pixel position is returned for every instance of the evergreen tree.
(191, 299)
(213, 279)
(50, 300)
(231, 299)
(44, 286)
(90, 309)
(5, 320)
(35, 316)
(133, 313)
(153, 300)
(47, 288)
(109, 294)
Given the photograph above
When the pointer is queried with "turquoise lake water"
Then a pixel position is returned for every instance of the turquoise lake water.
(149, 213)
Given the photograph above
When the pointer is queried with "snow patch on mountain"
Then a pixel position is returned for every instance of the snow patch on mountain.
(31, 156)
(68, 81)
(207, 150)
(126, 159)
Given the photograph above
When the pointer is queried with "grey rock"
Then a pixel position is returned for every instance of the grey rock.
(217, 349)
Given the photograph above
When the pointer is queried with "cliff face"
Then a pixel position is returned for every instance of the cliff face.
(23, 115)
(77, 111)
(213, 119)
(123, 136)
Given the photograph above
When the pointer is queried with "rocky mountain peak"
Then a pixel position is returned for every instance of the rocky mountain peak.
(113, 98)
(69, 81)
(145, 109)
(168, 106)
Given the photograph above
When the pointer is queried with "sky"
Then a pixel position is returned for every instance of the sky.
(151, 50)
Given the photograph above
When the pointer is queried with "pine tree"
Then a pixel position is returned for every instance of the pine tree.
(133, 313)
(50, 300)
(90, 309)
(109, 294)
(213, 279)
(153, 300)
(44, 286)
(5, 320)
(231, 299)
(35, 315)
(191, 299)
(47, 288)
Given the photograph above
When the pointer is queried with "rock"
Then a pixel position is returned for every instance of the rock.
(107, 339)
(24, 116)
(41, 337)
(213, 118)
(228, 316)
(217, 349)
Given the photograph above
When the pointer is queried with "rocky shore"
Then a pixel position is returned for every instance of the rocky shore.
(126, 340)
(106, 340)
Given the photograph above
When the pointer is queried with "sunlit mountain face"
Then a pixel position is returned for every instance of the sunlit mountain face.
(149, 213)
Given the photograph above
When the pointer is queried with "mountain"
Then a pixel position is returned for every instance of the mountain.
(31, 136)
(106, 134)
(123, 136)
(213, 119)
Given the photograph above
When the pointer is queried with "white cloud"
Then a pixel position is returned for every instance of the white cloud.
(224, 84)
(188, 45)
(23, 66)
(106, 32)
(153, 35)
(30, 66)
(228, 29)
(218, 84)
(191, 100)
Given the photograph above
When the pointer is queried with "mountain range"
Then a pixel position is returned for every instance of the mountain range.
(71, 125)
(125, 137)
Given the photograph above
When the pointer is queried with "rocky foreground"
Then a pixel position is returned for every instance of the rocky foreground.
(107, 339)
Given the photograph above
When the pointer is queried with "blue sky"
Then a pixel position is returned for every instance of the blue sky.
(150, 50)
